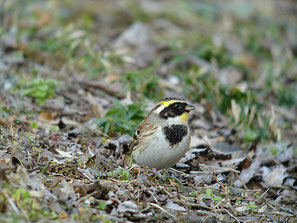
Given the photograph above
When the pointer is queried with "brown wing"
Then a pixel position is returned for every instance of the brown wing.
(144, 129)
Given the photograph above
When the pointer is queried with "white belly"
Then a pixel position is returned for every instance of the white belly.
(156, 151)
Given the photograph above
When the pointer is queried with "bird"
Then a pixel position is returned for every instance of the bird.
(163, 137)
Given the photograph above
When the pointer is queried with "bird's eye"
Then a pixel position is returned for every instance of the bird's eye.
(177, 106)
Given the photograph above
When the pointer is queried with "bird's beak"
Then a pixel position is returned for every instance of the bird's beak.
(189, 108)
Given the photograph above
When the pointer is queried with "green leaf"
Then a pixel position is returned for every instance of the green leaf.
(38, 88)
(34, 125)
(122, 119)
(101, 206)
(209, 192)
(250, 135)
(217, 198)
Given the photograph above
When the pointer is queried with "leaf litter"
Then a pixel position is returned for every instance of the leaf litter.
(58, 163)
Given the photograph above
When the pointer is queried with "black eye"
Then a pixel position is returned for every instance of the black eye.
(177, 106)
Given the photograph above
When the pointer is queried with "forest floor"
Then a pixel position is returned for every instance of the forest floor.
(78, 77)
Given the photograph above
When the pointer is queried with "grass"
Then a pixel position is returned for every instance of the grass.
(121, 119)
(38, 88)
(119, 174)
(26, 205)
(210, 194)
(253, 207)
(143, 83)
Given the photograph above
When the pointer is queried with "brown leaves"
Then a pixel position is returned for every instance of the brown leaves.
(235, 61)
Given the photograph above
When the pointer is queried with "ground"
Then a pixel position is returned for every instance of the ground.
(78, 77)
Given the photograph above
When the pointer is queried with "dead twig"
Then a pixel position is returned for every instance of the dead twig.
(241, 181)
(263, 195)
(162, 209)
(111, 89)
(236, 219)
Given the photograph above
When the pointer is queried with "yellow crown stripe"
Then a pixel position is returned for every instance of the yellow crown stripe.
(167, 103)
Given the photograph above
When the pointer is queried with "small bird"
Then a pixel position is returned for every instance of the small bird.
(163, 137)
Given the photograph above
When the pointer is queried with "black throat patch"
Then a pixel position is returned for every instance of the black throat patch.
(175, 133)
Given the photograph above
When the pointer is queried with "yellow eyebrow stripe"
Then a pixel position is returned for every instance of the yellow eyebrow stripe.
(167, 103)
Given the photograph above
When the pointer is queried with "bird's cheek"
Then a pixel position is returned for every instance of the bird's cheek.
(184, 117)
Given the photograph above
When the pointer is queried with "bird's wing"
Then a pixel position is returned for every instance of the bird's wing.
(145, 129)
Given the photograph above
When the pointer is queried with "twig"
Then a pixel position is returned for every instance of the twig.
(236, 219)
(85, 197)
(209, 213)
(204, 207)
(218, 204)
(283, 214)
(110, 89)
(152, 194)
(203, 63)
(241, 181)
(102, 133)
(12, 204)
(271, 206)
(15, 208)
(123, 181)
(208, 171)
(92, 180)
(96, 108)
(233, 170)
(246, 190)
(162, 209)
(166, 192)
(178, 171)
(263, 195)
(216, 179)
